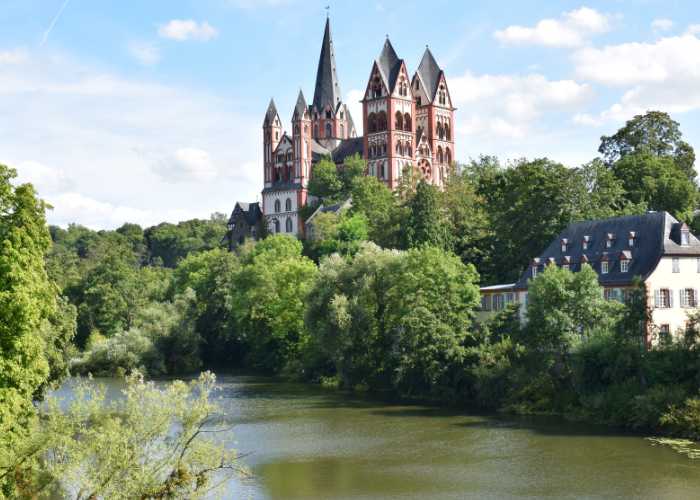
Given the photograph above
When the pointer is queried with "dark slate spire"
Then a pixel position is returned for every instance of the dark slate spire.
(389, 64)
(271, 113)
(301, 106)
(429, 73)
(327, 89)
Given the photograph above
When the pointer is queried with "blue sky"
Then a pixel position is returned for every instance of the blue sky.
(147, 111)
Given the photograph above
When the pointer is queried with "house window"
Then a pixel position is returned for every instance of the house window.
(663, 299)
(630, 242)
(676, 265)
(486, 303)
(288, 225)
(605, 267)
(534, 271)
(624, 265)
(498, 302)
(278, 206)
(563, 247)
(586, 240)
(689, 298)
(685, 238)
(510, 298)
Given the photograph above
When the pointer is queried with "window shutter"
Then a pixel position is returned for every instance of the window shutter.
(695, 298)
(657, 298)
(670, 298)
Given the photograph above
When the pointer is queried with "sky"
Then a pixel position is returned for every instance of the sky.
(151, 111)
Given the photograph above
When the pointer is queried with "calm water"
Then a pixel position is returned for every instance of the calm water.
(308, 443)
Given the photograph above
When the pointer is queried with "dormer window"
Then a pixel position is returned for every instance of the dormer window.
(609, 240)
(535, 267)
(685, 237)
(534, 271)
(564, 245)
(631, 238)
(625, 259)
(586, 242)
(604, 267)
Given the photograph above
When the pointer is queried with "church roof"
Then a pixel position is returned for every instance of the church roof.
(301, 106)
(389, 64)
(429, 73)
(327, 90)
(347, 148)
(271, 112)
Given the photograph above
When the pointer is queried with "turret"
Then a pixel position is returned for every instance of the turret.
(272, 134)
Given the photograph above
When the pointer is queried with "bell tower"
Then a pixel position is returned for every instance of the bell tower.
(272, 133)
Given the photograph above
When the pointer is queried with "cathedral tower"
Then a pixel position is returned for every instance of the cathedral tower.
(388, 112)
(272, 133)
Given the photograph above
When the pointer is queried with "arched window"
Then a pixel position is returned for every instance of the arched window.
(328, 114)
(381, 121)
(278, 207)
(277, 226)
(384, 173)
(447, 131)
(419, 131)
(329, 129)
(442, 95)
(440, 156)
(384, 148)
(342, 131)
(288, 225)
(398, 121)
(407, 122)
(408, 149)
(372, 123)
(448, 155)
(288, 205)
(376, 87)
(398, 148)
(440, 131)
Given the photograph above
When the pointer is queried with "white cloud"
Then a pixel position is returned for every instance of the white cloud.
(101, 134)
(662, 75)
(693, 29)
(352, 99)
(145, 53)
(45, 179)
(661, 24)
(508, 105)
(572, 29)
(187, 29)
(187, 164)
(13, 56)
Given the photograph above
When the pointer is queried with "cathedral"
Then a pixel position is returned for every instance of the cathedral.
(407, 122)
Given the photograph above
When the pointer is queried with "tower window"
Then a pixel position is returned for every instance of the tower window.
(329, 130)
(288, 205)
(278, 206)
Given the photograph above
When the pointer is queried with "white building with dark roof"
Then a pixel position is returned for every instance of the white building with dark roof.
(654, 247)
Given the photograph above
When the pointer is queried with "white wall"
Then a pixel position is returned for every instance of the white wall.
(664, 277)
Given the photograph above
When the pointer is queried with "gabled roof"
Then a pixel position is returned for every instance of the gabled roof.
(301, 106)
(271, 113)
(654, 237)
(348, 147)
(389, 65)
(250, 211)
(429, 73)
(327, 90)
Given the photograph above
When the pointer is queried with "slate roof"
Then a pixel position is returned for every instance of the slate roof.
(656, 234)
(389, 65)
(301, 106)
(348, 147)
(251, 212)
(282, 186)
(429, 73)
(271, 112)
(327, 90)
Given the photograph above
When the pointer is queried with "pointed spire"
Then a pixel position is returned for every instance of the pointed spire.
(389, 64)
(429, 73)
(271, 112)
(327, 89)
(301, 106)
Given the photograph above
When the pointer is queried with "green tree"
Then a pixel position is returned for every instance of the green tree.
(654, 133)
(376, 201)
(27, 304)
(342, 233)
(269, 299)
(426, 223)
(325, 183)
(153, 443)
(353, 168)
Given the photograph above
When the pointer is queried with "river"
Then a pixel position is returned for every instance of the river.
(305, 442)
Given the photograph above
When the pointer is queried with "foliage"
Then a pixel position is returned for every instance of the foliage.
(27, 305)
(393, 320)
(169, 243)
(268, 302)
(337, 233)
(375, 200)
(153, 443)
(325, 182)
(426, 223)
